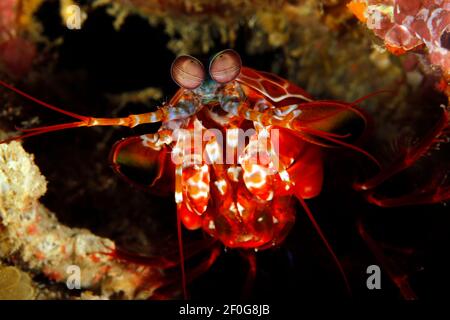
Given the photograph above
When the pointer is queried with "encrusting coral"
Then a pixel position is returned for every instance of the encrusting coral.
(31, 233)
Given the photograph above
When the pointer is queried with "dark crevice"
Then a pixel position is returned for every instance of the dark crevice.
(445, 39)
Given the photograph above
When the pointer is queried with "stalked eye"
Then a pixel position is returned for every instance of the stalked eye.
(187, 72)
(225, 66)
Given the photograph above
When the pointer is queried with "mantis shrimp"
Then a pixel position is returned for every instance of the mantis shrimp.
(243, 198)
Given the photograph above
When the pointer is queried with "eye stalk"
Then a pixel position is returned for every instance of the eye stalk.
(225, 66)
(187, 72)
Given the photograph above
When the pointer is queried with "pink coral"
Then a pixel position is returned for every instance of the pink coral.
(408, 24)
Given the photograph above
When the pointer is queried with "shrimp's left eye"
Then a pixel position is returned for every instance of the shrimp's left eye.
(225, 66)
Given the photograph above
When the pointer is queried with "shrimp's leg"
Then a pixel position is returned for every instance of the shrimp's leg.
(428, 195)
(435, 192)
(250, 257)
(179, 200)
(288, 121)
(167, 112)
(170, 287)
(398, 276)
(181, 160)
(169, 278)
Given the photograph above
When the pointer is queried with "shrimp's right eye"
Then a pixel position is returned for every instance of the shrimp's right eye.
(225, 66)
(188, 72)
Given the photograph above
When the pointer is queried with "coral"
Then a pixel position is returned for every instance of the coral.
(406, 25)
(32, 233)
(192, 24)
